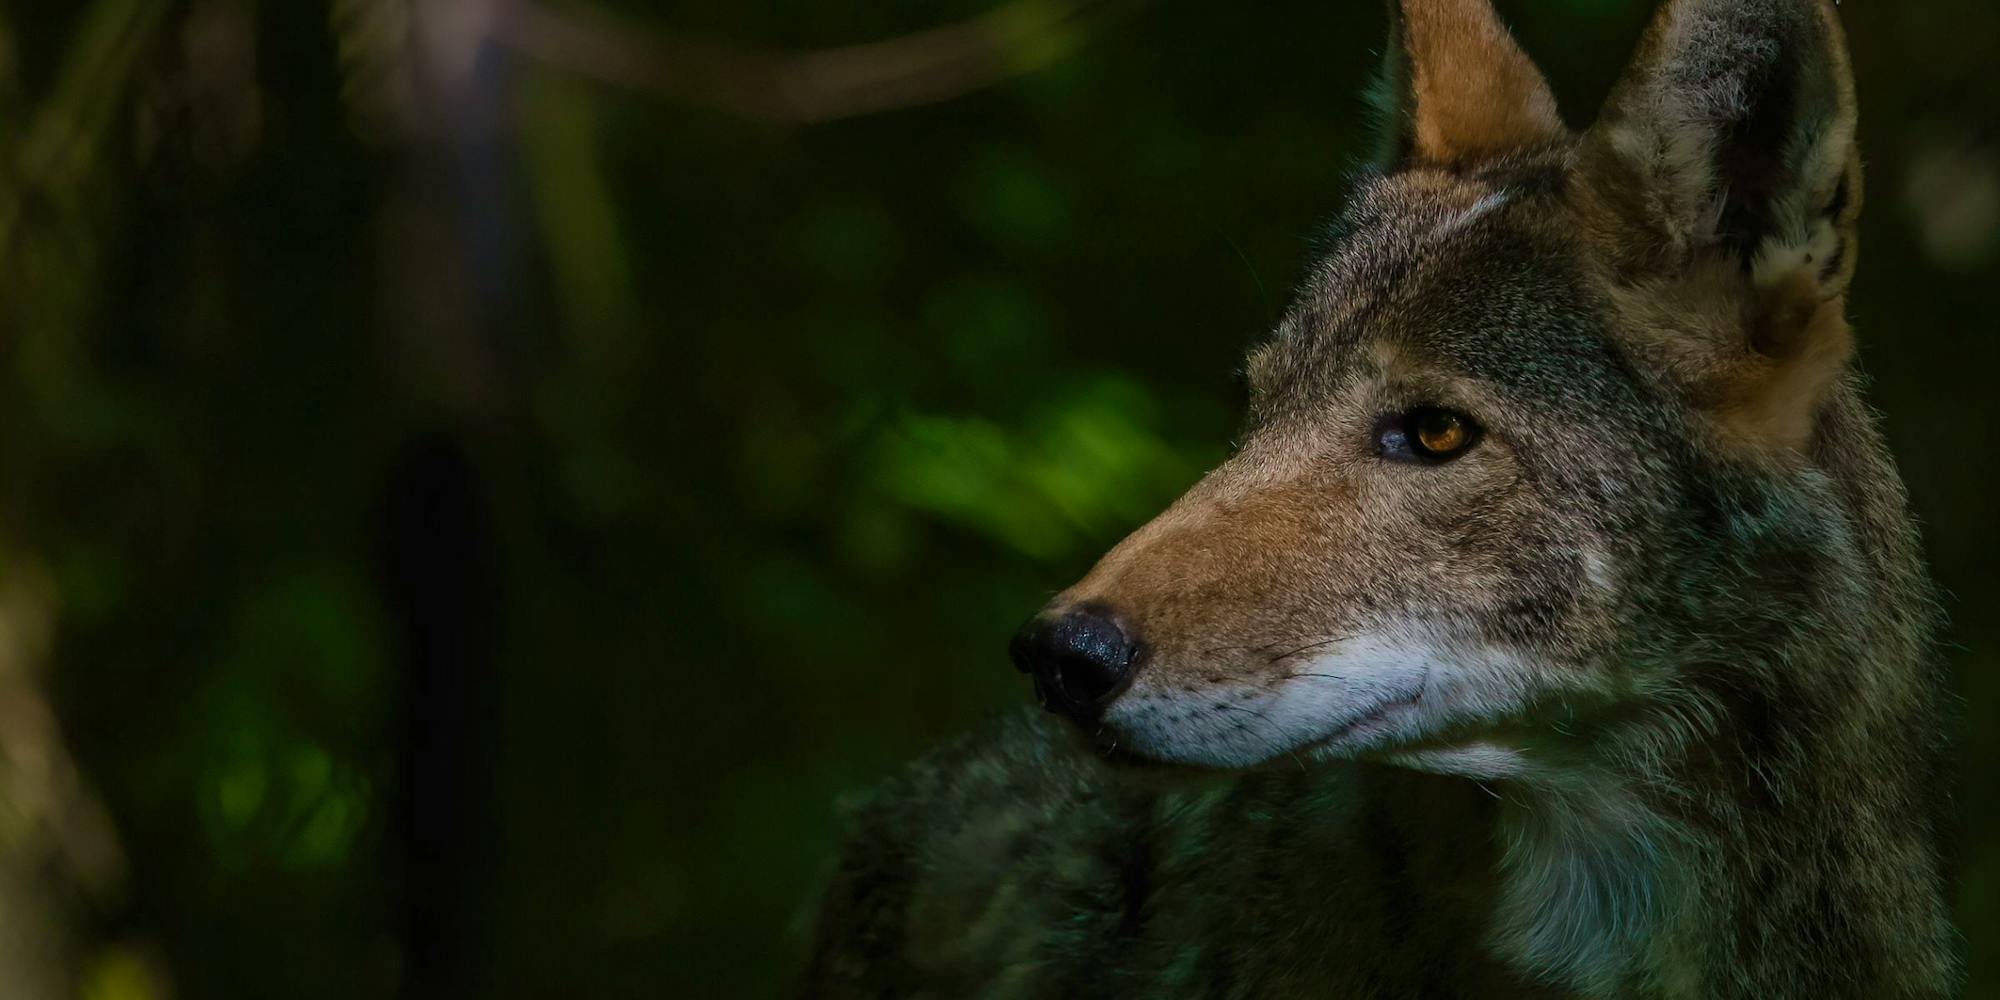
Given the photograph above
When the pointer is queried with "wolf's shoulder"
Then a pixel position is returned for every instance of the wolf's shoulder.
(1021, 769)
(1017, 863)
(963, 864)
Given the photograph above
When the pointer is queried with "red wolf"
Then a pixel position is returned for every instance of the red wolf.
(1558, 629)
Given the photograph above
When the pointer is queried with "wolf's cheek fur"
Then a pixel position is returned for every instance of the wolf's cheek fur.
(1368, 693)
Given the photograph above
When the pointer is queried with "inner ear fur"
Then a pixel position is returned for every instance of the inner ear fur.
(1759, 364)
(1723, 179)
(1800, 344)
(1457, 89)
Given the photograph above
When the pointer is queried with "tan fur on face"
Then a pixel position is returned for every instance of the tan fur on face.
(1226, 568)
(1309, 543)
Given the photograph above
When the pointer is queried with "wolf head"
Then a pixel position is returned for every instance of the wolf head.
(1556, 436)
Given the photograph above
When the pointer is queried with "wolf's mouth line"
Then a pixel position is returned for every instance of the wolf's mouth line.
(1376, 713)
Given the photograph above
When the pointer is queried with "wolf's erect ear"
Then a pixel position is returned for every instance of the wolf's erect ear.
(1725, 159)
(1456, 88)
(1733, 131)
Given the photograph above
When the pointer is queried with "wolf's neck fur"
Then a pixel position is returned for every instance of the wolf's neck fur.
(1627, 882)
(1588, 872)
(1770, 856)
(1588, 877)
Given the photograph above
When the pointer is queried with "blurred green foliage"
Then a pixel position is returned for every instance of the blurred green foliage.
(773, 432)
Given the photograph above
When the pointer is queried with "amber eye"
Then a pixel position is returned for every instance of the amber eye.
(1427, 434)
(1441, 432)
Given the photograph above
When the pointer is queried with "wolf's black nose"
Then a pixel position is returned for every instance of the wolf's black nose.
(1080, 661)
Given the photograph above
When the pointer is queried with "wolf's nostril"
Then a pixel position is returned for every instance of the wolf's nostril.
(1089, 680)
(1080, 661)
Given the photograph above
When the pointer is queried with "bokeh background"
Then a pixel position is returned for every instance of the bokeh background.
(479, 479)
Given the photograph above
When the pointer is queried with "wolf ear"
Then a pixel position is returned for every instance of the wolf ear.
(1725, 159)
(1456, 88)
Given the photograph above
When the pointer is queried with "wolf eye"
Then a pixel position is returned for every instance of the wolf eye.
(1427, 434)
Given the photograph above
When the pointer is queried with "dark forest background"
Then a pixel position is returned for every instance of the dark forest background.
(479, 479)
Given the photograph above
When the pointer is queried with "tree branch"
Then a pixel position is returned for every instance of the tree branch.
(924, 67)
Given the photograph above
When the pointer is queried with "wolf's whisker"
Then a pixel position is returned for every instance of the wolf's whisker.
(1319, 644)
